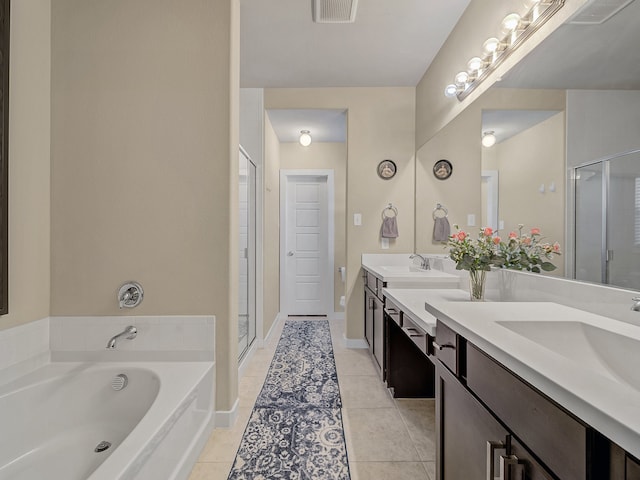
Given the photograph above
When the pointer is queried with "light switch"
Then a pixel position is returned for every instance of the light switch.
(471, 220)
(501, 224)
(384, 243)
(357, 219)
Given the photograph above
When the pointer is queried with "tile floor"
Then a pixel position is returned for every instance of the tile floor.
(386, 438)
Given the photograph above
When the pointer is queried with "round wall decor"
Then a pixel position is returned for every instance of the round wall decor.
(442, 169)
(387, 169)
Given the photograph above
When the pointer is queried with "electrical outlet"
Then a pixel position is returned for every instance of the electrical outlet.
(471, 220)
(384, 243)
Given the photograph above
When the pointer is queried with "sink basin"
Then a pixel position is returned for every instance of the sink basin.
(403, 269)
(605, 352)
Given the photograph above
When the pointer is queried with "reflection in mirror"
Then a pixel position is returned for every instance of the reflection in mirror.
(526, 164)
(595, 58)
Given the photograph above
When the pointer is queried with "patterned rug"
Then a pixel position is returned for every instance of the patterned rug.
(295, 431)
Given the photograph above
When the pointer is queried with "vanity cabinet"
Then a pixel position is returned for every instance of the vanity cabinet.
(374, 319)
(491, 424)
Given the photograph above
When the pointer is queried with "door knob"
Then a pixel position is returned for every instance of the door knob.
(289, 254)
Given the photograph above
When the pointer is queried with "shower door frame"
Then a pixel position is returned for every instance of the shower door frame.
(605, 255)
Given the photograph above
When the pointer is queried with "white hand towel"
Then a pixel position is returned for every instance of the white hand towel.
(441, 229)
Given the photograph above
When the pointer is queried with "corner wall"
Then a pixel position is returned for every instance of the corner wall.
(29, 162)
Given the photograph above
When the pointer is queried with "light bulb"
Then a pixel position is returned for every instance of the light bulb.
(461, 78)
(491, 45)
(450, 91)
(510, 22)
(488, 139)
(475, 64)
(305, 138)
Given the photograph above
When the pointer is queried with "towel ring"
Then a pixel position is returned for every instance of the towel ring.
(393, 209)
(440, 208)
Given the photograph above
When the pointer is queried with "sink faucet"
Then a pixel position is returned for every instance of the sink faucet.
(129, 333)
(636, 305)
(424, 262)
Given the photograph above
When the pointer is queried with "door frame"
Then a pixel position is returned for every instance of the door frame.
(284, 178)
(492, 200)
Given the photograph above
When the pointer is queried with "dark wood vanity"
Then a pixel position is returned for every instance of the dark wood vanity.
(491, 424)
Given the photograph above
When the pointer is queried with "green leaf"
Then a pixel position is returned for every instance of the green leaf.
(547, 266)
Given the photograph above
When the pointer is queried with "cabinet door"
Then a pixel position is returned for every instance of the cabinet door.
(368, 318)
(378, 329)
(633, 469)
(465, 429)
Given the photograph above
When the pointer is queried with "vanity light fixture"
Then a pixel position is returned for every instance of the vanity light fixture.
(516, 28)
(488, 139)
(305, 138)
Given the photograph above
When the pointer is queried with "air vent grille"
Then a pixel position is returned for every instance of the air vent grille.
(334, 11)
(596, 12)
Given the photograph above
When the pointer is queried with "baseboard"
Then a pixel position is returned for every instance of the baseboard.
(355, 342)
(247, 358)
(277, 320)
(227, 418)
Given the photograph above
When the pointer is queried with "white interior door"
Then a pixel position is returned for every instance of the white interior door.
(306, 283)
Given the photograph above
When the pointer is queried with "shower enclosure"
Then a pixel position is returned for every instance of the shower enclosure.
(607, 221)
(247, 255)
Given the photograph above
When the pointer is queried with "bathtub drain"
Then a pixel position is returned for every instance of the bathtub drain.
(102, 446)
(119, 382)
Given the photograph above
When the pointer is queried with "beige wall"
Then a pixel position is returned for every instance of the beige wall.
(525, 161)
(480, 21)
(459, 142)
(145, 162)
(380, 125)
(271, 245)
(29, 162)
(329, 156)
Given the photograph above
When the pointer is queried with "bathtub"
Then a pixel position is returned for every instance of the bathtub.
(52, 420)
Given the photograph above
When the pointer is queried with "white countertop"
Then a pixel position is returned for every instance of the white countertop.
(412, 300)
(601, 387)
(399, 269)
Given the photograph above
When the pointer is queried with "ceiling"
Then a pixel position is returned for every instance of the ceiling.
(391, 43)
(507, 123)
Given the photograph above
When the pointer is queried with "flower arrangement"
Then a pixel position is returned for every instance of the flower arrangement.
(519, 252)
(527, 251)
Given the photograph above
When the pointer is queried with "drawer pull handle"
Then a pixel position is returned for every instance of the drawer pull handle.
(492, 447)
(511, 468)
(412, 332)
(437, 346)
(392, 311)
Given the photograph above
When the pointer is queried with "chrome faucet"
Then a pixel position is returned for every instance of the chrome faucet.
(424, 262)
(636, 305)
(129, 333)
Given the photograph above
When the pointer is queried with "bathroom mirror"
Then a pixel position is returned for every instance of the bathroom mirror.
(588, 73)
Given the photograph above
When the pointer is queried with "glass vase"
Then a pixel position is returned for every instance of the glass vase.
(476, 285)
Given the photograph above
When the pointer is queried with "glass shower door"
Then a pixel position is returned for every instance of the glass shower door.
(623, 224)
(589, 224)
(247, 248)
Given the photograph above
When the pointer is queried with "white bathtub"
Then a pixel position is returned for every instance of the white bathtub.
(51, 420)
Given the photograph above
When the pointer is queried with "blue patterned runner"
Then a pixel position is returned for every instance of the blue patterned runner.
(295, 430)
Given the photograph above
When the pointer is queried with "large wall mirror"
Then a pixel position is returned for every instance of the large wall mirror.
(567, 126)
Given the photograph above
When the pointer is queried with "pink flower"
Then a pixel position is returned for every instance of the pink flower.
(497, 240)
(487, 232)
(513, 235)
(461, 235)
(526, 240)
(556, 247)
(535, 231)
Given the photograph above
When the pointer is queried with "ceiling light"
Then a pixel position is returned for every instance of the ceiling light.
(516, 30)
(305, 138)
(488, 139)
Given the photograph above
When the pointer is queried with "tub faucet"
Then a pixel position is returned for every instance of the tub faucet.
(424, 262)
(129, 333)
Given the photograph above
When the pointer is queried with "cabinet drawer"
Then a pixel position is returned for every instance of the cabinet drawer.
(415, 334)
(446, 347)
(559, 440)
(372, 282)
(393, 311)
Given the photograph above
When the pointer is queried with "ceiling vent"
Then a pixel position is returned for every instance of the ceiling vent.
(596, 12)
(334, 11)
